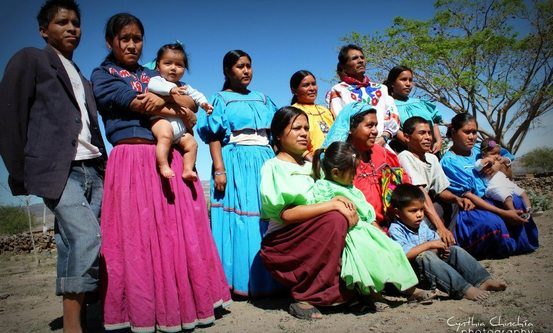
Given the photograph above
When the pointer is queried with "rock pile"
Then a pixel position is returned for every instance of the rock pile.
(536, 184)
(21, 243)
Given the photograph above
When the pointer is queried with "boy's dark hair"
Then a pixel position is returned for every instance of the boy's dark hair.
(410, 124)
(339, 155)
(174, 47)
(50, 8)
(404, 194)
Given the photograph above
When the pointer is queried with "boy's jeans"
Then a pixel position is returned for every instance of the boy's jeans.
(455, 275)
(77, 229)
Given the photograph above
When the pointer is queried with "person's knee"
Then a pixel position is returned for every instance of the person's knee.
(164, 136)
(428, 257)
(333, 220)
(191, 144)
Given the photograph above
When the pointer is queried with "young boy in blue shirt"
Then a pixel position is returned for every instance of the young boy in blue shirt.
(453, 269)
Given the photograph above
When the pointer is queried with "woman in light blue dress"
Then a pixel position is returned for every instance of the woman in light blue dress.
(238, 136)
(400, 83)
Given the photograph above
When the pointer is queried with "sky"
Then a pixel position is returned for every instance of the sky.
(281, 36)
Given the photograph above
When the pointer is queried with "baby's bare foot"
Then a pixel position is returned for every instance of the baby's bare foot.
(493, 285)
(475, 294)
(166, 171)
(189, 175)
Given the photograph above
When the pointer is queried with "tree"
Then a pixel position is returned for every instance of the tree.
(492, 58)
(539, 159)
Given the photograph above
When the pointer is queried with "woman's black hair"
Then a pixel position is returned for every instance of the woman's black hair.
(229, 60)
(116, 23)
(458, 122)
(282, 118)
(405, 194)
(410, 124)
(393, 75)
(343, 56)
(296, 79)
(178, 47)
(340, 155)
(51, 7)
(357, 119)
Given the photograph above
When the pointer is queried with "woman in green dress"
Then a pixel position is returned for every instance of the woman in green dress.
(303, 245)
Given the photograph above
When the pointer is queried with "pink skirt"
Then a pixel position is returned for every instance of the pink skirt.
(162, 270)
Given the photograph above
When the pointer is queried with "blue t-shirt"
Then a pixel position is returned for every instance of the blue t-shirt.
(409, 238)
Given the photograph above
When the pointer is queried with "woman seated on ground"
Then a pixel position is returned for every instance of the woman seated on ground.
(303, 245)
(493, 231)
(357, 124)
(304, 88)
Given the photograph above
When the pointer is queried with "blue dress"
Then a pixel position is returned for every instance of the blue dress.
(418, 107)
(235, 214)
(480, 232)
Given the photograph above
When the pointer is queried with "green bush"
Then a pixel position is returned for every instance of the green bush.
(13, 220)
(539, 202)
(539, 159)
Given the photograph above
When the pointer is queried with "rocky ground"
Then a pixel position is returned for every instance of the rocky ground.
(28, 303)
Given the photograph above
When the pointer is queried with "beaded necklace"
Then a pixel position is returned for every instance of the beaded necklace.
(322, 124)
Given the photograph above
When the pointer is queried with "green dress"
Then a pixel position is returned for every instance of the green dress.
(283, 184)
(370, 258)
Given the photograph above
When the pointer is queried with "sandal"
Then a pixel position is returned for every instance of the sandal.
(297, 311)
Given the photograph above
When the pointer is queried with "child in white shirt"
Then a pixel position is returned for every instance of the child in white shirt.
(499, 187)
(171, 62)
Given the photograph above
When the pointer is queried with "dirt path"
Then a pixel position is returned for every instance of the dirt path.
(28, 303)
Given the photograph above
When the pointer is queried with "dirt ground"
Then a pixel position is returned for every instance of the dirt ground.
(28, 303)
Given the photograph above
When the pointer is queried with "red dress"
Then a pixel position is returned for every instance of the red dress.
(369, 175)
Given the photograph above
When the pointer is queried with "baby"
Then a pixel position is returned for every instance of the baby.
(171, 62)
(499, 187)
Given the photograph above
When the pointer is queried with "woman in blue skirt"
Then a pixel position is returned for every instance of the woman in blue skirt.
(237, 132)
(488, 231)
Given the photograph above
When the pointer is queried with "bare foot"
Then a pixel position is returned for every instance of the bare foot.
(166, 171)
(493, 285)
(422, 296)
(475, 294)
(189, 175)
